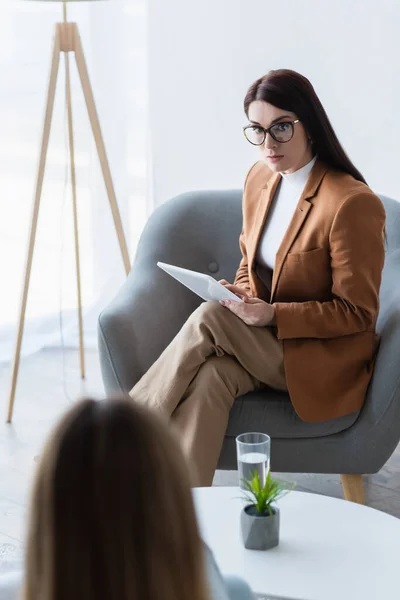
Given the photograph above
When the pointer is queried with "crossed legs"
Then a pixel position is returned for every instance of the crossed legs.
(214, 358)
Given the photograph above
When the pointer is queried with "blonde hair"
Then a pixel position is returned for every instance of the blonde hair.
(112, 516)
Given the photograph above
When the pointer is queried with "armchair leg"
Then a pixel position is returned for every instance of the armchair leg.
(353, 489)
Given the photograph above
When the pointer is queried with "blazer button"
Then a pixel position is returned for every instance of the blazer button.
(213, 267)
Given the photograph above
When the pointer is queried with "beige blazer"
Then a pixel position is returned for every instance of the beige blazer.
(325, 285)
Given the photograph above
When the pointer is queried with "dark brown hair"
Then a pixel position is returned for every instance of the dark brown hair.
(112, 514)
(291, 91)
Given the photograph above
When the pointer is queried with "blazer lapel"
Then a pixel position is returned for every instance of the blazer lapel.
(264, 204)
(300, 215)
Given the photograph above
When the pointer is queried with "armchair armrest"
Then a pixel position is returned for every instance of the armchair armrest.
(140, 322)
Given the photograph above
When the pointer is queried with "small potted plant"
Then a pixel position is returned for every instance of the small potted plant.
(260, 518)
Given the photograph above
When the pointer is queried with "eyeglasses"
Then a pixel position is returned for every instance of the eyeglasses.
(280, 132)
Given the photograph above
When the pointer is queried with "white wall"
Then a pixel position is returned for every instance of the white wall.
(204, 55)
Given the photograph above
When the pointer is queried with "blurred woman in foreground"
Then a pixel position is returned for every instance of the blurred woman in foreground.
(112, 516)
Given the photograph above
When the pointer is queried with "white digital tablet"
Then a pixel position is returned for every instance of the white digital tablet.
(201, 284)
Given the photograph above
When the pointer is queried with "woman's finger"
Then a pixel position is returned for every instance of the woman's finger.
(235, 307)
(236, 290)
(253, 300)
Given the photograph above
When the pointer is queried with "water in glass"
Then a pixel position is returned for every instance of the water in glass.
(250, 463)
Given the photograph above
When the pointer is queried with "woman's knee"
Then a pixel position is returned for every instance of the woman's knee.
(208, 311)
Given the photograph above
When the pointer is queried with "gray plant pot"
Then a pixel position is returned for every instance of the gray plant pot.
(259, 532)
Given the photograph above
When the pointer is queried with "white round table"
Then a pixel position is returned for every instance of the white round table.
(329, 549)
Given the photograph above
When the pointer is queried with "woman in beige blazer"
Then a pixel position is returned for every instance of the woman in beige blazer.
(312, 256)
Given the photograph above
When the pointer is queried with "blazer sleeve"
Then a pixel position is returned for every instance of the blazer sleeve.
(357, 251)
(242, 274)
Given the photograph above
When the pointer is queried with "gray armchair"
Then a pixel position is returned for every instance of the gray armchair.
(200, 231)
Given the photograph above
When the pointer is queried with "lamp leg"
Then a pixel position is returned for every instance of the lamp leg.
(35, 214)
(75, 212)
(94, 120)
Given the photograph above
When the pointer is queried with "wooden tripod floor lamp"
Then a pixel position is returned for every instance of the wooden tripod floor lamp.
(66, 40)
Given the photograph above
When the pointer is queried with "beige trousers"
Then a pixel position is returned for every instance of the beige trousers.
(214, 358)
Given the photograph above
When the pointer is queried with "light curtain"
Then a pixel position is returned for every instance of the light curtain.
(114, 40)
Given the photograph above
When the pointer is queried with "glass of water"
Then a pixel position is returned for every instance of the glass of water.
(253, 455)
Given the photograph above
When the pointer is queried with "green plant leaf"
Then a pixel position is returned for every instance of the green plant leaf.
(264, 496)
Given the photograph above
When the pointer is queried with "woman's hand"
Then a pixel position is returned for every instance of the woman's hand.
(252, 311)
(241, 292)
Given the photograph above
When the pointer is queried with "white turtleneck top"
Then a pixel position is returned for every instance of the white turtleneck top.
(280, 213)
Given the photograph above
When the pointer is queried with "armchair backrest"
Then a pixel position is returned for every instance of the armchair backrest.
(384, 392)
(196, 230)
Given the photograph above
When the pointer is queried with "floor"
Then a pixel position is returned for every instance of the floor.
(48, 383)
